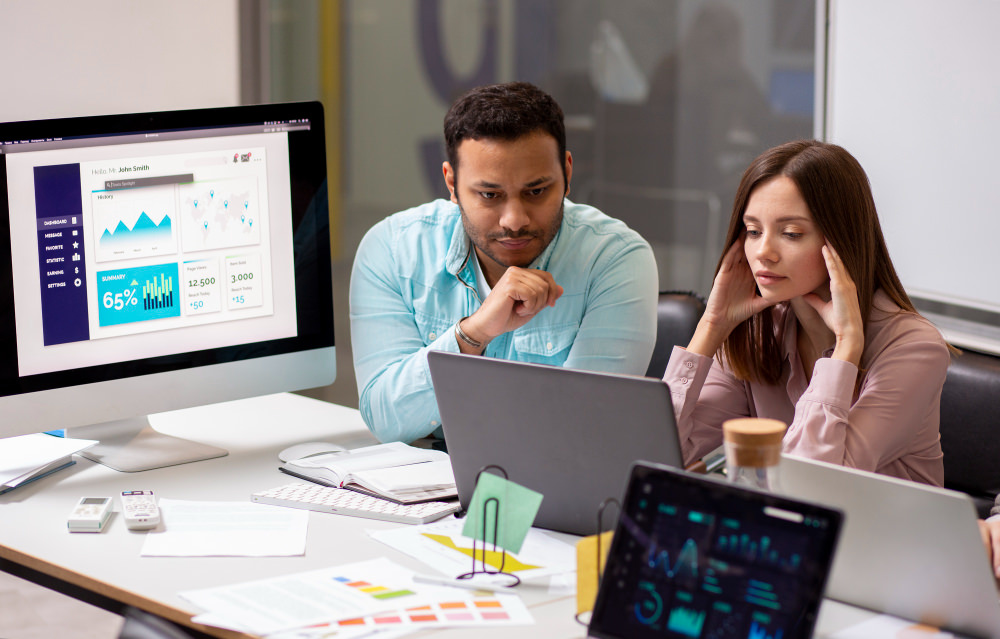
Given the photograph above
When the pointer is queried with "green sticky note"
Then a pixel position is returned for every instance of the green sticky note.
(517, 508)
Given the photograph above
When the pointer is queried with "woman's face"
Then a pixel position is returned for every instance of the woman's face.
(783, 244)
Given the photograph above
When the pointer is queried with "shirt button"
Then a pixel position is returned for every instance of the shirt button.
(684, 380)
(549, 346)
(689, 364)
(433, 335)
(434, 422)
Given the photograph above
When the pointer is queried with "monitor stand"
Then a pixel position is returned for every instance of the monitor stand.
(132, 445)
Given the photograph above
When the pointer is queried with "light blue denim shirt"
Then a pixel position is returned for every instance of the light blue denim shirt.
(414, 278)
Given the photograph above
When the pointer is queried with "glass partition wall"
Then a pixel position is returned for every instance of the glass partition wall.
(666, 103)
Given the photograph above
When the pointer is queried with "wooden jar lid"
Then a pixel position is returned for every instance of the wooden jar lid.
(754, 441)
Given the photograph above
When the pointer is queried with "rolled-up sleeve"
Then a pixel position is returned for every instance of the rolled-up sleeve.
(396, 398)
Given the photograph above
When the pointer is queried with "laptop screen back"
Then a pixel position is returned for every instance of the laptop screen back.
(694, 556)
(902, 541)
(571, 435)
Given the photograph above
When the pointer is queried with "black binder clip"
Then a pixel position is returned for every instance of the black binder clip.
(600, 531)
(496, 531)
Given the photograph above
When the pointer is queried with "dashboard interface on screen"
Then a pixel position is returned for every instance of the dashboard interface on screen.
(156, 235)
(697, 557)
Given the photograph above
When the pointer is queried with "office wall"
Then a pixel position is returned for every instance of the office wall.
(63, 58)
(914, 94)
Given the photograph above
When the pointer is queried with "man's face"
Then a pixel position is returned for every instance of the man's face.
(511, 194)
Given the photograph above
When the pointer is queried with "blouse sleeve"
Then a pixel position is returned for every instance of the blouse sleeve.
(897, 411)
(704, 395)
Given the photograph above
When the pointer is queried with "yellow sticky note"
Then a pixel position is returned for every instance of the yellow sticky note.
(586, 569)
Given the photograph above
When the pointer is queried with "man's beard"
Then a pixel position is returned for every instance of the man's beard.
(482, 242)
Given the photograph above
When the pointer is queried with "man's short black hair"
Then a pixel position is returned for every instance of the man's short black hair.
(503, 112)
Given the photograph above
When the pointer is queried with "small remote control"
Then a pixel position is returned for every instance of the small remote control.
(89, 515)
(140, 510)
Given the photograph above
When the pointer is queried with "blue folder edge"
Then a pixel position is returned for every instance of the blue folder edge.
(7, 489)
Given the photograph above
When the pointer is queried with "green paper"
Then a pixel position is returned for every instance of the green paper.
(518, 507)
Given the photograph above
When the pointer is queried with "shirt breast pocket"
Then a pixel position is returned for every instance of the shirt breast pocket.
(546, 344)
(431, 327)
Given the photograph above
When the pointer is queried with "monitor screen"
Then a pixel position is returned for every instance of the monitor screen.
(694, 556)
(157, 261)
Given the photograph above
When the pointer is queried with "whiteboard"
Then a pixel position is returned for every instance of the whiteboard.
(913, 91)
(66, 58)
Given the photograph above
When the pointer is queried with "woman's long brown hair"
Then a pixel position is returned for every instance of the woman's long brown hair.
(839, 197)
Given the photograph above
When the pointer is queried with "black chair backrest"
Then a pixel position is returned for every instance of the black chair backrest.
(970, 427)
(677, 315)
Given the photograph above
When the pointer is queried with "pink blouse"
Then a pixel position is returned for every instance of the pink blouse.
(889, 426)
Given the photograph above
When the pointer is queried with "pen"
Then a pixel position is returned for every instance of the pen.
(455, 583)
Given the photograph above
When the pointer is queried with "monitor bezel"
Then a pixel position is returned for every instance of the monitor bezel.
(310, 222)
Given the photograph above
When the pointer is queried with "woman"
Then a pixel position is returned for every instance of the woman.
(809, 324)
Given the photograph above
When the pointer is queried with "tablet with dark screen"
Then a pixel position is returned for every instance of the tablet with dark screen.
(694, 556)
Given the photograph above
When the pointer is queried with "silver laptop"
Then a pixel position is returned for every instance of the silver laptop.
(571, 435)
(907, 549)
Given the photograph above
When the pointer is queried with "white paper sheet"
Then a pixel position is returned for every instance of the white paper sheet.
(325, 632)
(226, 529)
(22, 455)
(889, 626)
(409, 478)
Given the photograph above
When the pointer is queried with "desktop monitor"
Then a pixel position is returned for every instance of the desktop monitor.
(157, 261)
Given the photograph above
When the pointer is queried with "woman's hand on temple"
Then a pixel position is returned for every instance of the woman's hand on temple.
(842, 314)
(733, 300)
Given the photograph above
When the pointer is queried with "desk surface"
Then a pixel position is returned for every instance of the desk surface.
(33, 526)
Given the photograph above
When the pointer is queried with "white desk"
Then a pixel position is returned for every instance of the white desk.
(33, 519)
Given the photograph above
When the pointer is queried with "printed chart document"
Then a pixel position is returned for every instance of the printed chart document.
(319, 604)
(226, 529)
(449, 608)
(442, 546)
(308, 598)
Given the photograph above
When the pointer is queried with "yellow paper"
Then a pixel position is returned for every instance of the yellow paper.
(586, 570)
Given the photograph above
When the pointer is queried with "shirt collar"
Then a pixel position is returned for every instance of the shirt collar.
(790, 332)
(796, 382)
(481, 284)
(789, 329)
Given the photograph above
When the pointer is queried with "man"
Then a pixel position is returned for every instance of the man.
(508, 268)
